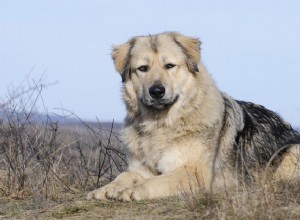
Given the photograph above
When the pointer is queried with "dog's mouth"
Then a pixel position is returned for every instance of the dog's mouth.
(159, 104)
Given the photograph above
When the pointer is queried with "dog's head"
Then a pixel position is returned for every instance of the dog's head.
(156, 69)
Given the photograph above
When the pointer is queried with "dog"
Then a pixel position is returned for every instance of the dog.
(181, 132)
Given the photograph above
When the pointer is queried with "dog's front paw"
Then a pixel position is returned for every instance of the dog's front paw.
(106, 192)
(134, 193)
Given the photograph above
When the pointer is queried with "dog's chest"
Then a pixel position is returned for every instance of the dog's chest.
(150, 149)
(161, 151)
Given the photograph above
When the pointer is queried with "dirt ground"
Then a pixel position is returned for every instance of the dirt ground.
(68, 206)
(79, 208)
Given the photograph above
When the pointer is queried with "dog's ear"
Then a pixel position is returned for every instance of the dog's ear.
(191, 48)
(121, 57)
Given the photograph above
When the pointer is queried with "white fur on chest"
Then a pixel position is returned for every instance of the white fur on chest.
(165, 153)
(170, 160)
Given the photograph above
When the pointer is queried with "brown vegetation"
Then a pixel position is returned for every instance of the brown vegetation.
(41, 158)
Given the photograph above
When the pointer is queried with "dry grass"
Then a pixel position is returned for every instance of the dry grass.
(46, 168)
(276, 202)
(273, 200)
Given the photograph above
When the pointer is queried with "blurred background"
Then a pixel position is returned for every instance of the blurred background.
(251, 48)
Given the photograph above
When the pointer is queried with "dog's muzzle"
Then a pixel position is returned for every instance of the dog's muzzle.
(157, 98)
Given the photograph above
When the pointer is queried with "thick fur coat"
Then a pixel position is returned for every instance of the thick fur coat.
(182, 133)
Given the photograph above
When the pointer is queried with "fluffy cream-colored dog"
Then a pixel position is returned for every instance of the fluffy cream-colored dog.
(181, 131)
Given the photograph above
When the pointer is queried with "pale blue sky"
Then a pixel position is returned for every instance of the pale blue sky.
(251, 48)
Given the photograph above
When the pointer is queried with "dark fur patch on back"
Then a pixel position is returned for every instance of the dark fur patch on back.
(263, 135)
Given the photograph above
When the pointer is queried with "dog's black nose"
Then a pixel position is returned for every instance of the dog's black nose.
(157, 91)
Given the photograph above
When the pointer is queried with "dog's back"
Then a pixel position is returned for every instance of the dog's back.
(261, 140)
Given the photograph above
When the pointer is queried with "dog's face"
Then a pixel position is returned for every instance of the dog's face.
(156, 69)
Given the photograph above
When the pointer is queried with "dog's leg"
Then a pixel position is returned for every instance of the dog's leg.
(110, 191)
(290, 165)
(180, 180)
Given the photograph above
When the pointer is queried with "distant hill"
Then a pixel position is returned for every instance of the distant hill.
(62, 120)
(76, 121)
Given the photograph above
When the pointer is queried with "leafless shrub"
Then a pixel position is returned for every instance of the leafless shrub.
(40, 156)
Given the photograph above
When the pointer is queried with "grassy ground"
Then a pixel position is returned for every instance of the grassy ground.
(79, 208)
(279, 201)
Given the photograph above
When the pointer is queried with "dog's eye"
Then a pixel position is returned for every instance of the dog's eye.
(169, 66)
(143, 68)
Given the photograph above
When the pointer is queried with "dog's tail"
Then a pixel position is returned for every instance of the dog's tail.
(281, 151)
